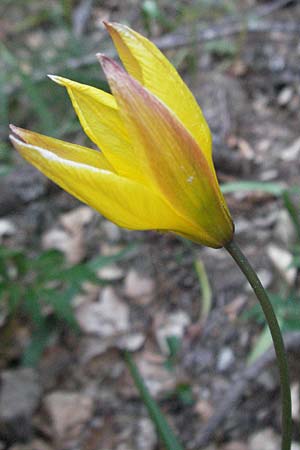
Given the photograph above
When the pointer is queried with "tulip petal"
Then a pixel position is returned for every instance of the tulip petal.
(171, 158)
(99, 116)
(124, 202)
(147, 64)
(65, 150)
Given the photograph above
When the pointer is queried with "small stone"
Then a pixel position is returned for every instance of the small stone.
(131, 342)
(70, 245)
(111, 273)
(145, 438)
(205, 409)
(269, 175)
(138, 287)
(112, 231)
(225, 359)
(285, 96)
(19, 398)
(295, 394)
(267, 380)
(157, 378)
(172, 325)
(284, 230)
(107, 317)
(76, 219)
(265, 277)
(282, 260)
(7, 228)
(264, 440)
(292, 152)
(69, 238)
(68, 412)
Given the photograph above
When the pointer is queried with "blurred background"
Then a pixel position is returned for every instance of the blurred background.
(76, 290)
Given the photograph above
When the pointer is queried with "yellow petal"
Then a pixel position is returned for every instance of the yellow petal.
(99, 116)
(171, 157)
(145, 62)
(65, 150)
(122, 201)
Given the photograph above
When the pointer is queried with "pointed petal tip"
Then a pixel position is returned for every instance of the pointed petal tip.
(13, 128)
(106, 23)
(17, 133)
(56, 79)
(100, 56)
(112, 25)
(108, 64)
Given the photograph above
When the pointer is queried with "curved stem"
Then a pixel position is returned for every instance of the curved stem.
(271, 319)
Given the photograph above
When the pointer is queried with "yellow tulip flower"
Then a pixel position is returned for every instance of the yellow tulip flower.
(154, 167)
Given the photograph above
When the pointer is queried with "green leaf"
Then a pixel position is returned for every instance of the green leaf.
(296, 261)
(5, 169)
(184, 393)
(32, 305)
(33, 92)
(163, 429)
(38, 343)
(49, 259)
(6, 253)
(174, 346)
(15, 293)
(150, 9)
(221, 47)
(62, 306)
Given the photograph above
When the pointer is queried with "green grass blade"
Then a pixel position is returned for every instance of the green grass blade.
(206, 294)
(163, 429)
(103, 260)
(261, 345)
(293, 213)
(271, 188)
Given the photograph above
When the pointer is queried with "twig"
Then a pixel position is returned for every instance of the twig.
(81, 16)
(223, 30)
(238, 389)
(272, 6)
(183, 38)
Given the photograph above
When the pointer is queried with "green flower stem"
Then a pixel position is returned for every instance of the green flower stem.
(271, 319)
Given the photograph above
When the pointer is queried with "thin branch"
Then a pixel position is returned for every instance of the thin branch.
(223, 30)
(251, 22)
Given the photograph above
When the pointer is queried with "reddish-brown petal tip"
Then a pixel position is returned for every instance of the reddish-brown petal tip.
(109, 65)
(111, 25)
(16, 133)
(15, 130)
(13, 127)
